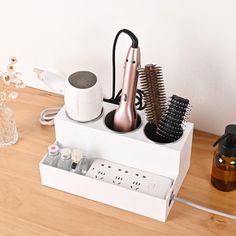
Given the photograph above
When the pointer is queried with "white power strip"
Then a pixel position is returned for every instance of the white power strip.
(130, 178)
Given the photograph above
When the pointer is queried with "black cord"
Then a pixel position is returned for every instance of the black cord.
(114, 68)
(115, 99)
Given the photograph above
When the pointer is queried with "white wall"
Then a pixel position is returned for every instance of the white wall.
(194, 41)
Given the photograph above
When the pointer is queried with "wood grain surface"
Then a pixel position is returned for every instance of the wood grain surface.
(28, 208)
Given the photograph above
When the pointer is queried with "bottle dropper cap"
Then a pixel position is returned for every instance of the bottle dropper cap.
(227, 142)
(53, 149)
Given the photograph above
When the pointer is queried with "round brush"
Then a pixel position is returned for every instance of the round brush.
(152, 85)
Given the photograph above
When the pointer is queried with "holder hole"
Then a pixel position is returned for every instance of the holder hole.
(109, 118)
(150, 132)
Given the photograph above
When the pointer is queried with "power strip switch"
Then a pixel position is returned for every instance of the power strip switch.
(131, 178)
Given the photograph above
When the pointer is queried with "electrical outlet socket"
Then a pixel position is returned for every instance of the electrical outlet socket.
(131, 178)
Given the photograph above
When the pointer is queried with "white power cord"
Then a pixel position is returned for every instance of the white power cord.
(56, 83)
(47, 115)
(231, 216)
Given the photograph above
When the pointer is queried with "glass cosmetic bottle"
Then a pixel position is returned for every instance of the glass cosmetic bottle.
(223, 175)
(82, 166)
(52, 156)
(65, 159)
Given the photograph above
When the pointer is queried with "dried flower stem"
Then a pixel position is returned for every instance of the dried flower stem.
(7, 79)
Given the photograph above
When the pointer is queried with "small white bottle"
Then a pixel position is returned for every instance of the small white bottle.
(65, 159)
(53, 155)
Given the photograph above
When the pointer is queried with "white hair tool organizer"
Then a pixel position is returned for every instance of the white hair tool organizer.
(128, 170)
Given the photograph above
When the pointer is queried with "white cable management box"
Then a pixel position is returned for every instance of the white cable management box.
(132, 149)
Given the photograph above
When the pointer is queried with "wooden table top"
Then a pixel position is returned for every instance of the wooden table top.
(28, 208)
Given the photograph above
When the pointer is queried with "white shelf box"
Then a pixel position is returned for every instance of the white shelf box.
(132, 149)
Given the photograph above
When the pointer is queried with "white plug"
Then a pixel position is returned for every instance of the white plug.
(53, 81)
(131, 178)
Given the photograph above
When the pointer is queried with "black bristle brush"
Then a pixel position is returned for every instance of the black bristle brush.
(170, 127)
(152, 84)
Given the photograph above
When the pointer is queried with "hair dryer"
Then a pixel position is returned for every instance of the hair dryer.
(125, 117)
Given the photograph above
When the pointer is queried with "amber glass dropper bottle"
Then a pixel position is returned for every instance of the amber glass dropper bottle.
(223, 175)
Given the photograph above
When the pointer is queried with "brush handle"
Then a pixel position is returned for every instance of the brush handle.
(125, 117)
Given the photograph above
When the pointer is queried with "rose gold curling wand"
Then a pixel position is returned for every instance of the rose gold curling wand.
(125, 118)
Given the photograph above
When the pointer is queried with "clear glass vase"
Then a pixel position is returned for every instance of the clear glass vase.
(8, 130)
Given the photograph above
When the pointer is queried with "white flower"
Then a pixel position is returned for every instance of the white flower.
(14, 76)
(1, 75)
(13, 95)
(6, 78)
(3, 96)
(10, 68)
(19, 84)
(13, 60)
(10, 77)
